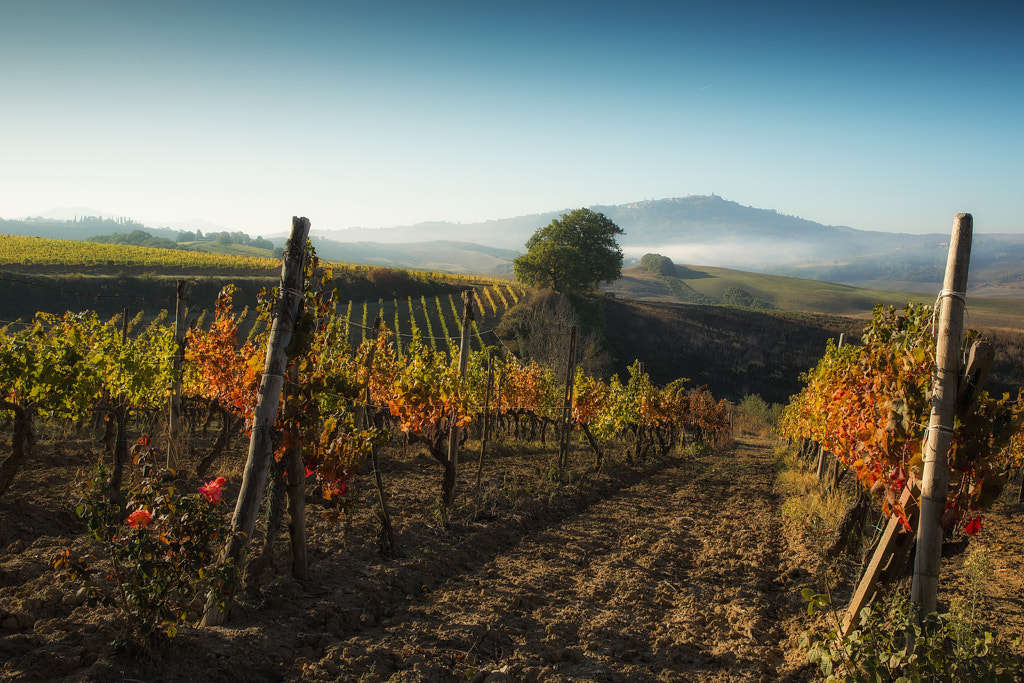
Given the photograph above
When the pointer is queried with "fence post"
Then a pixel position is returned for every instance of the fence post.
(121, 414)
(261, 446)
(387, 534)
(174, 418)
(566, 425)
(448, 494)
(935, 480)
(487, 421)
(295, 486)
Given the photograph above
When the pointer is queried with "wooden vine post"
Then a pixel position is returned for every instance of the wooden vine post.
(886, 561)
(565, 427)
(120, 413)
(935, 480)
(487, 421)
(174, 417)
(261, 446)
(451, 472)
(949, 393)
(387, 534)
(295, 487)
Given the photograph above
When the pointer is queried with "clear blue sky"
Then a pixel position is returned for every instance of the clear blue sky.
(885, 116)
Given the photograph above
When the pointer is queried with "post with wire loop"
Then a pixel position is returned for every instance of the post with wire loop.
(261, 444)
(939, 437)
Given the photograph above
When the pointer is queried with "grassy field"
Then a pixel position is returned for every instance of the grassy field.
(710, 285)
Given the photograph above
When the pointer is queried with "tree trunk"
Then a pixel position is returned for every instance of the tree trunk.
(275, 513)
(229, 424)
(296, 473)
(598, 455)
(120, 419)
(21, 445)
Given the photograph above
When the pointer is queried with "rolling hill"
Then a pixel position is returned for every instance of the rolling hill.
(696, 229)
(713, 285)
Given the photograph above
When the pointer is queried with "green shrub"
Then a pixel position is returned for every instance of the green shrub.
(656, 264)
(877, 649)
(162, 561)
(755, 415)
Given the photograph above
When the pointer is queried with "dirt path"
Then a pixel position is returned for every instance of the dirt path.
(676, 577)
(680, 573)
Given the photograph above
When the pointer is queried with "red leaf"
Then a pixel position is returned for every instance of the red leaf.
(973, 526)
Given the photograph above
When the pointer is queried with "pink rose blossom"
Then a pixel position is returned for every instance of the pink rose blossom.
(213, 490)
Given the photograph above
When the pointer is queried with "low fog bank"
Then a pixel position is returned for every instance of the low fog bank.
(741, 254)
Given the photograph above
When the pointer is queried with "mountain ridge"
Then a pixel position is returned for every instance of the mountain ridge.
(705, 229)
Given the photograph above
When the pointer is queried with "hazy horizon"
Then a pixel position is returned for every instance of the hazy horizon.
(869, 115)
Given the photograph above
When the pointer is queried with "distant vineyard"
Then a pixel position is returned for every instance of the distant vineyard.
(73, 365)
(435, 320)
(21, 252)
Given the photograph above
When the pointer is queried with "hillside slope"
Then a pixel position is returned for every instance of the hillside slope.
(706, 284)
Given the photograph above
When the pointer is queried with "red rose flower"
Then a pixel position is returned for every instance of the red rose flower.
(139, 518)
(973, 526)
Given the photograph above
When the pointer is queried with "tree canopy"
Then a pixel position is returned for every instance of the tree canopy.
(658, 264)
(572, 253)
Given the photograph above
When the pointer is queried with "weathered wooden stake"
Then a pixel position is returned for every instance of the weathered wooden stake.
(565, 427)
(174, 418)
(261, 446)
(387, 534)
(120, 414)
(889, 555)
(295, 486)
(487, 422)
(448, 495)
(935, 480)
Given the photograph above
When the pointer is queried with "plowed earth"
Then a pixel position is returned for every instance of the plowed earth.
(676, 570)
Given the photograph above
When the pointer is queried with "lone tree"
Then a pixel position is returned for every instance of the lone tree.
(572, 254)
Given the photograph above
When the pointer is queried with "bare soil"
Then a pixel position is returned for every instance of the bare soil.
(677, 569)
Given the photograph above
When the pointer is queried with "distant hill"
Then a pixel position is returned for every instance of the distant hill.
(714, 231)
(439, 255)
(709, 230)
(711, 285)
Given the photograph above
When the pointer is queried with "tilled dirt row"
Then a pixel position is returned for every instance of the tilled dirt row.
(677, 577)
(674, 571)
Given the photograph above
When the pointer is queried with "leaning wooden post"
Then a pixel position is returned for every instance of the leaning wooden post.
(887, 561)
(935, 481)
(174, 417)
(566, 426)
(261, 446)
(453, 439)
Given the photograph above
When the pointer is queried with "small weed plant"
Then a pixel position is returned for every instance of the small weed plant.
(160, 547)
(964, 609)
(876, 650)
(816, 512)
(754, 415)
